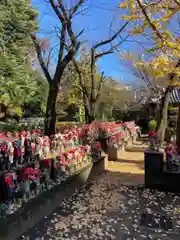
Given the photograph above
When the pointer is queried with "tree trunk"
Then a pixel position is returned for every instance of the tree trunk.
(164, 114)
(178, 132)
(89, 108)
(158, 113)
(50, 116)
(89, 115)
(90, 118)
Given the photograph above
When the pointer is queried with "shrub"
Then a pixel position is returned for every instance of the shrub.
(152, 125)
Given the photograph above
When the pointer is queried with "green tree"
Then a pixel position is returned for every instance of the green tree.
(112, 99)
(35, 101)
(17, 21)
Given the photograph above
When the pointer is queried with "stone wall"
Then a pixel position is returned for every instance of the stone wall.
(35, 210)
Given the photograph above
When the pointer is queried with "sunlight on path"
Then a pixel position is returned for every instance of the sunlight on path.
(130, 169)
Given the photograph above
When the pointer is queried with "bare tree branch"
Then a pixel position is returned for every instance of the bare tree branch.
(69, 19)
(111, 38)
(75, 8)
(99, 86)
(62, 42)
(49, 57)
(56, 10)
(97, 56)
(40, 58)
(152, 25)
(61, 6)
(66, 34)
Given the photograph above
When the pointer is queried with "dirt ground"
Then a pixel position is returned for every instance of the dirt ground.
(130, 168)
(115, 206)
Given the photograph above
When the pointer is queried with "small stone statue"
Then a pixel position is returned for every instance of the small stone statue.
(153, 140)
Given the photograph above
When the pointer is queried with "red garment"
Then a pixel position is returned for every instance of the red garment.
(31, 173)
(37, 173)
(62, 161)
(17, 152)
(33, 147)
(38, 131)
(55, 165)
(46, 162)
(170, 150)
(152, 133)
(23, 133)
(8, 180)
(24, 174)
(69, 161)
(98, 146)
(73, 150)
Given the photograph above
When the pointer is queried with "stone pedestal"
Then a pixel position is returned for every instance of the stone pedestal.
(153, 164)
(129, 143)
(122, 146)
(104, 144)
(114, 153)
(134, 138)
(153, 161)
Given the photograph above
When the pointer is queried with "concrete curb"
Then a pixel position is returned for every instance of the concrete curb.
(34, 211)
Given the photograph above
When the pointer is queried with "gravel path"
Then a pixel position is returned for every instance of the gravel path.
(106, 210)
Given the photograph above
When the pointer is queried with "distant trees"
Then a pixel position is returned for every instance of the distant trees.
(70, 100)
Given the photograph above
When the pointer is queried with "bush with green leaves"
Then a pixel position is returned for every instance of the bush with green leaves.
(19, 82)
(152, 125)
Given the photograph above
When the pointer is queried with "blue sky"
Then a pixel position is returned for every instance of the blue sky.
(96, 22)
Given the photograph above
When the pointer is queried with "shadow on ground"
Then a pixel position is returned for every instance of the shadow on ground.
(116, 206)
(136, 149)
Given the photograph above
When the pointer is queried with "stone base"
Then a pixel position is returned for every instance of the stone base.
(153, 161)
(129, 143)
(164, 181)
(114, 153)
(104, 144)
(134, 138)
(122, 148)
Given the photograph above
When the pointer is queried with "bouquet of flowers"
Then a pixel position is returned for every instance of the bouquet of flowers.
(172, 158)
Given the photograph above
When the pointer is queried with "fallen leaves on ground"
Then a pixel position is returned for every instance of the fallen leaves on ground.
(107, 210)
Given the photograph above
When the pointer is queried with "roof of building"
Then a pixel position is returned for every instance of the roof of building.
(175, 96)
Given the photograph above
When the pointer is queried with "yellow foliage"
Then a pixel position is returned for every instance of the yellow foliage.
(127, 56)
(137, 30)
(153, 20)
(124, 5)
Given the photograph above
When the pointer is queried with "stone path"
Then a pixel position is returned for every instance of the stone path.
(107, 210)
(114, 207)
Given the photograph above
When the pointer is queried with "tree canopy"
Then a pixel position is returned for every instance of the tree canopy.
(19, 82)
(157, 23)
